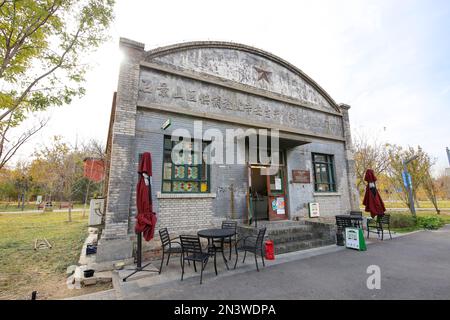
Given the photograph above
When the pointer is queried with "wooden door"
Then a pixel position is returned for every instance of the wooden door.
(276, 191)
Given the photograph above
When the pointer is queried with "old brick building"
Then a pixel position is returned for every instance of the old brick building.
(226, 86)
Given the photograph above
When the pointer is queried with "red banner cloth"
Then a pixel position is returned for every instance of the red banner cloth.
(145, 218)
(372, 200)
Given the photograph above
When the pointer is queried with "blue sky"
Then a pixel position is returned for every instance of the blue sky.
(389, 60)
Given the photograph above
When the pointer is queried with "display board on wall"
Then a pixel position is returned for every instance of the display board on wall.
(314, 210)
(301, 176)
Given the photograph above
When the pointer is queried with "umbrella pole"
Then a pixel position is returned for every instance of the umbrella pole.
(139, 251)
(139, 266)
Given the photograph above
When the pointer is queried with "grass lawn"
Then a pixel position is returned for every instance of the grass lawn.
(422, 204)
(12, 206)
(445, 216)
(23, 269)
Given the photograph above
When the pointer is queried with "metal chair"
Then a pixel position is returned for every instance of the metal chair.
(341, 224)
(192, 251)
(167, 247)
(378, 223)
(357, 223)
(230, 224)
(254, 247)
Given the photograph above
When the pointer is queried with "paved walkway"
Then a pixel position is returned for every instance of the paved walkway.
(413, 266)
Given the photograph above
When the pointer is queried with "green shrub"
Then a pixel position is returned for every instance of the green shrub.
(430, 222)
(402, 221)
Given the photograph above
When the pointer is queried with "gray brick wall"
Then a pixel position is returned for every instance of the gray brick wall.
(138, 129)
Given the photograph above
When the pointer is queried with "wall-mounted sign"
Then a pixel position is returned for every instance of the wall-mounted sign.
(354, 239)
(314, 211)
(166, 124)
(301, 176)
(277, 183)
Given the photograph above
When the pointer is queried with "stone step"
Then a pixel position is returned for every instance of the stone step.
(280, 224)
(301, 245)
(291, 237)
(289, 230)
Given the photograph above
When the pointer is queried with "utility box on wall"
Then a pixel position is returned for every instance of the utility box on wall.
(96, 210)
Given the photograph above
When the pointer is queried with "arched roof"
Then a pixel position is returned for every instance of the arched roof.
(161, 51)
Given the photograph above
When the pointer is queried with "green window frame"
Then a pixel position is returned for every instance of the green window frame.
(324, 177)
(187, 177)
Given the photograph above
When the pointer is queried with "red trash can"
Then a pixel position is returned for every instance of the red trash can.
(269, 250)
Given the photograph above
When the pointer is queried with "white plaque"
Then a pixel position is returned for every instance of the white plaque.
(277, 183)
(314, 210)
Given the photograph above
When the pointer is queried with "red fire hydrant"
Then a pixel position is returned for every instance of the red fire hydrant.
(269, 250)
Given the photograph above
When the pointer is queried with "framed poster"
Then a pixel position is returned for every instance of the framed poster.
(280, 205)
(301, 176)
(314, 210)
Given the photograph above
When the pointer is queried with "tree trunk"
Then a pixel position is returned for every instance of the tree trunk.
(86, 198)
(70, 209)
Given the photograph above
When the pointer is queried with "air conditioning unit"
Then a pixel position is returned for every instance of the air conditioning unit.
(97, 209)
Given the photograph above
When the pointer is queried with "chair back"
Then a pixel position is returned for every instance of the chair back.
(356, 213)
(343, 223)
(165, 238)
(190, 244)
(229, 224)
(260, 237)
(384, 219)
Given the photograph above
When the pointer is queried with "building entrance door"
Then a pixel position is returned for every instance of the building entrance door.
(267, 193)
(276, 190)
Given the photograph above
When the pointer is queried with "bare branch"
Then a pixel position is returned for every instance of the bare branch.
(24, 137)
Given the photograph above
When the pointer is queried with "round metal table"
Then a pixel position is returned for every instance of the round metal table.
(211, 235)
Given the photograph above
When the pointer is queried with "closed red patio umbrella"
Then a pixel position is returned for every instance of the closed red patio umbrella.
(145, 218)
(372, 200)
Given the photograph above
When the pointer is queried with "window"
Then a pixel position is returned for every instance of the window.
(323, 173)
(187, 176)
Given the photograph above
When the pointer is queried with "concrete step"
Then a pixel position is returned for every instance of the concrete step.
(299, 229)
(291, 237)
(280, 224)
(301, 245)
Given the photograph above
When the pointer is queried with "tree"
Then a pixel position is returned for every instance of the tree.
(419, 169)
(43, 44)
(8, 189)
(369, 155)
(443, 186)
(429, 185)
